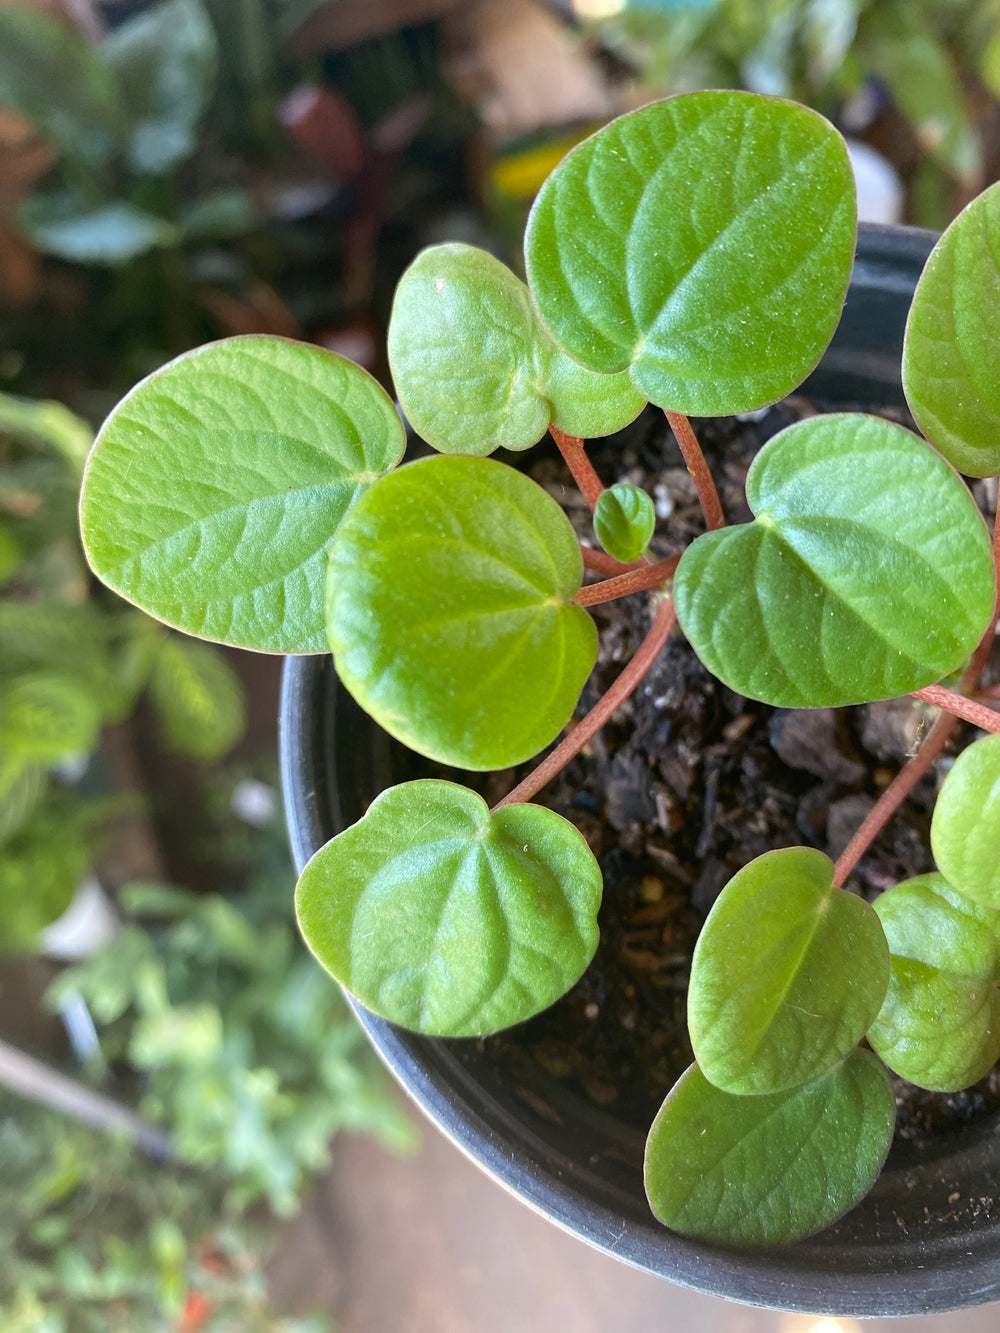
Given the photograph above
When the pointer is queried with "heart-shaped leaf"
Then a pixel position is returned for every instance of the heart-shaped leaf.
(952, 333)
(624, 519)
(474, 367)
(213, 491)
(965, 829)
(940, 1024)
(450, 611)
(867, 574)
(448, 919)
(704, 242)
(757, 1171)
(788, 974)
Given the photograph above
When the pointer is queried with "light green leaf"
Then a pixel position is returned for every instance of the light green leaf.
(448, 919)
(47, 424)
(450, 611)
(184, 1034)
(215, 487)
(952, 333)
(114, 233)
(475, 368)
(940, 1024)
(165, 59)
(965, 828)
(624, 519)
(22, 785)
(788, 974)
(199, 698)
(704, 242)
(45, 716)
(868, 572)
(759, 1171)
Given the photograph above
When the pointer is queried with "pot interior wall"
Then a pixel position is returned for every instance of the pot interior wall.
(927, 1238)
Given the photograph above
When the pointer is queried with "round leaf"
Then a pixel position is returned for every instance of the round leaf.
(47, 715)
(624, 519)
(475, 368)
(450, 920)
(450, 611)
(758, 1171)
(788, 974)
(965, 829)
(214, 488)
(940, 1024)
(952, 333)
(705, 242)
(868, 572)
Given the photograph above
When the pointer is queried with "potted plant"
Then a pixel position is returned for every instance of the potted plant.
(694, 254)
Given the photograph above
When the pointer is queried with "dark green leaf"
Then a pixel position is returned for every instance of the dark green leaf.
(199, 698)
(952, 332)
(112, 233)
(215, 487)
(867, 574)
(448, 919)
(965, 829)
(759, 1171)
(704, 242)
(624, 520)
(940, 1024)
(450, 611)
(220, 215)
(165, 59)
(788, 974)
(475, 368)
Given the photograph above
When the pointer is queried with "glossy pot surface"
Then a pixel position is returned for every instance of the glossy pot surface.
(928, 1236)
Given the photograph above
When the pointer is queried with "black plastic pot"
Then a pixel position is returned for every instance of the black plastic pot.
(927, 1237)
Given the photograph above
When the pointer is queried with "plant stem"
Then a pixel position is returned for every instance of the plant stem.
(572, 450)
(711, 505)
(571, 745)
(960, 706)
(602, 563)
(634, 580)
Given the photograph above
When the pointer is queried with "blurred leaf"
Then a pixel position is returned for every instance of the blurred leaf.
(199, 698)
(165, 58)
(42, 865)
(51, 76)
(21, 787)
(182, 1034)
(114, 233)
(112, 979)
(220, 215)
(48, 424)
(46, 715)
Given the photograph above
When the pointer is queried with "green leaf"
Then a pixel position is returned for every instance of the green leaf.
(940, 1024)
(199, 698)
(450, 611)
(214, 489)
(448, 919)
(867, 574)
(759, 1171)
(22, 786)
(475, 368)
(62, 225)
(220, 215)
(624, 520)
(788, 974)
(49, 425)
(704, 242)
(952, 331)
(965, 828)
(50, 75)
(165, 59)
(46, 715)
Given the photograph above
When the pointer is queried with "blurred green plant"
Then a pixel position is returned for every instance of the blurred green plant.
(71, 663)
(95, 1238)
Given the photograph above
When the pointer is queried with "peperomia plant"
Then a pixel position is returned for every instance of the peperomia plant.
(694, 254)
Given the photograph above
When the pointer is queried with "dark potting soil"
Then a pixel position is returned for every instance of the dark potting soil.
(687, 784)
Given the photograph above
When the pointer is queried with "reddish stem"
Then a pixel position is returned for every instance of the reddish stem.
(711, 505)
(572, 450)
(960, 706)
(602, 563)
(635, 580)
(589, 726)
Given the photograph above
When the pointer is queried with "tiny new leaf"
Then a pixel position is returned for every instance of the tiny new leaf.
(704, 243)
(214, 488)
(940, 1024)
(952, 332)
(965, 829)
(867, 574)
(624, 519)
(788, 974)
(450, 611)
(757, 1171)
(450, 920)
(474, 367)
